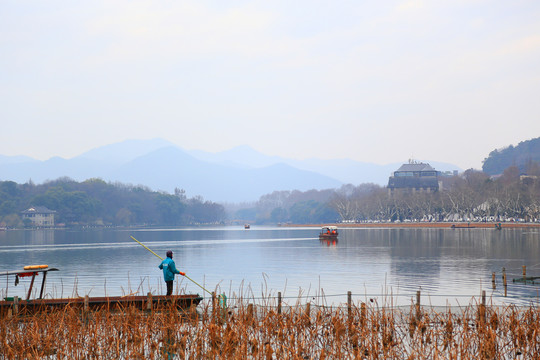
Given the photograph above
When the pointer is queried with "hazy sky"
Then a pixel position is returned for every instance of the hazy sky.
(376, 81)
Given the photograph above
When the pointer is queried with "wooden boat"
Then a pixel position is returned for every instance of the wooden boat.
(328, 233)
(111, 303)
(12, 305)
(527, 280)
(454, 226)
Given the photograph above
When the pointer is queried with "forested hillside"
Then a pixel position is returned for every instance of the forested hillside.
(95, 202)
(526, 156)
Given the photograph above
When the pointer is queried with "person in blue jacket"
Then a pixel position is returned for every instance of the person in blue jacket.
(169, 269)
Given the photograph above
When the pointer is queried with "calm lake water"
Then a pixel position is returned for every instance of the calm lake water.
(448, 266)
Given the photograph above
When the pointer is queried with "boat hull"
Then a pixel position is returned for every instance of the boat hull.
(150, 303)
(328, 237)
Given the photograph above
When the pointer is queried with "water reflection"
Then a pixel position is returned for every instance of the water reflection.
(328, 242)
(39, 237)
(447, 265)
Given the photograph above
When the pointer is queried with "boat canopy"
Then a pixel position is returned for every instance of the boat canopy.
(19, 272)
(329, 227)
(33, 271)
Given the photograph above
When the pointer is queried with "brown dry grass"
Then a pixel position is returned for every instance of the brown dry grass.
(245, 331)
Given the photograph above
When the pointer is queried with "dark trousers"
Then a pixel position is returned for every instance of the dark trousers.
(169, 287)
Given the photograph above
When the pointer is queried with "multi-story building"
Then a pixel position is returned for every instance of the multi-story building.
(39, 215)
(414, 177)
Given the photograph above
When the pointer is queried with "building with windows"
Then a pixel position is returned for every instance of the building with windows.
(39, 215)
(413, 177)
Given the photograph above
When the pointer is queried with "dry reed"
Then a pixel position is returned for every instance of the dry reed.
(301, 331)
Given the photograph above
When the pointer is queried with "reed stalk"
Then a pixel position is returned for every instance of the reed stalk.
(246, 330)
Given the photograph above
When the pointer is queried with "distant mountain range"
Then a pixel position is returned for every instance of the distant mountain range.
(237, 175)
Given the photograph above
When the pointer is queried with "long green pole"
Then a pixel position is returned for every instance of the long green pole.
(147, 248)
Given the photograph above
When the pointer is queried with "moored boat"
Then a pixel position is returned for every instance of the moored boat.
(150, 302)
(468, 226)
(13, 305)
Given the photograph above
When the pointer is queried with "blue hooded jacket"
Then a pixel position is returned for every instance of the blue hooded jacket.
(169, 269)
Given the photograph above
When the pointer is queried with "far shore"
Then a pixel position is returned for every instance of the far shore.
(449, 225)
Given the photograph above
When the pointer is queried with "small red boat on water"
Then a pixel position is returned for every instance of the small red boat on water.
(13, 305)
(328, 233)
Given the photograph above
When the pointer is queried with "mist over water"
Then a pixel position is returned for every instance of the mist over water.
(448, 266)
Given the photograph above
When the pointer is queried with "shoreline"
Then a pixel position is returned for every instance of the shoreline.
(427, 225)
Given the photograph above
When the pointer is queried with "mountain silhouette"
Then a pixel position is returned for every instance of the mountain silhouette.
(240, 174)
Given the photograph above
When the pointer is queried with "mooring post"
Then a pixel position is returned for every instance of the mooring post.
(418, 313)
(363, 312)
(483, 306)
(15, 305)
(250, 312)
(493, 285)
(504, 282)
(279, 302)
(193, 312)
(349, 303)
(86, 308)
(349, 309)
(149, 301)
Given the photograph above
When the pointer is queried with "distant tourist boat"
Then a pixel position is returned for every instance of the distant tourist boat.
(468, 226)
(246, 226)
(14, 305)
(328, 233)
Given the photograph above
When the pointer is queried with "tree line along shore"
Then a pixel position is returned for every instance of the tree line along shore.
(473, 197)
(427, 225)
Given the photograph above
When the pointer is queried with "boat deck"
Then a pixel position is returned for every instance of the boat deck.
(149, 302)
